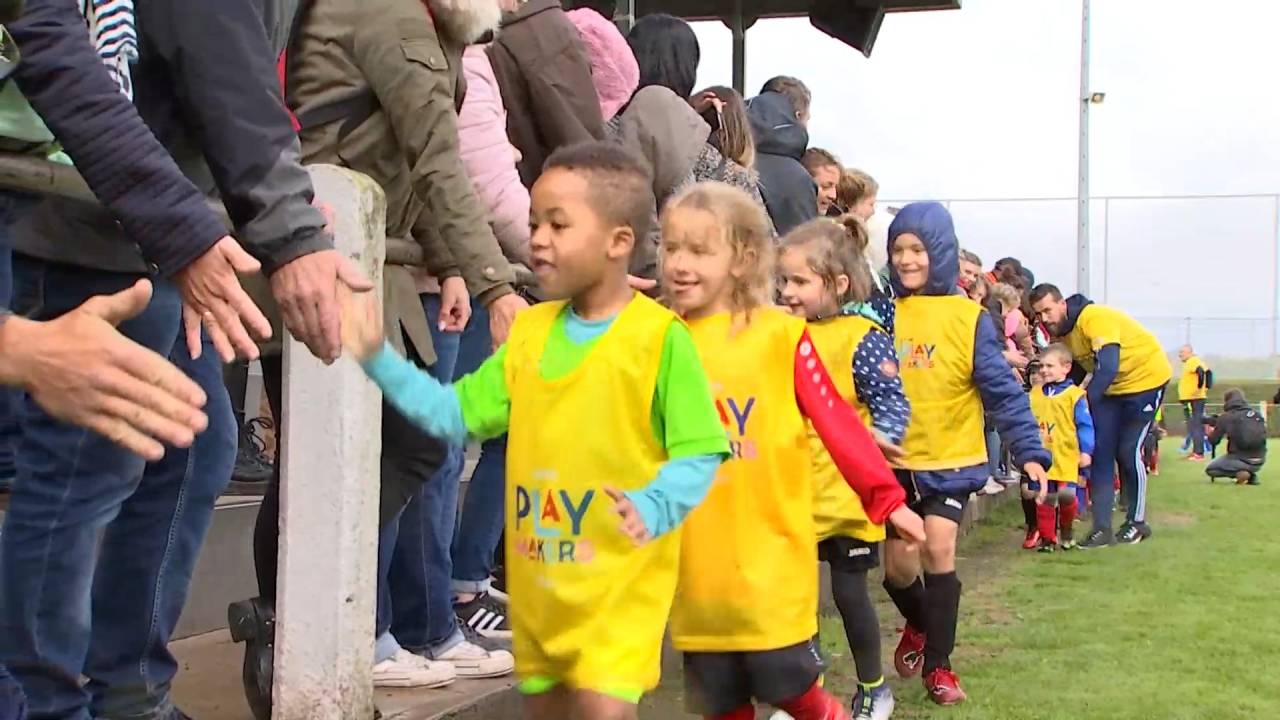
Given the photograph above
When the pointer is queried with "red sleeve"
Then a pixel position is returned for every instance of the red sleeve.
(851, 446)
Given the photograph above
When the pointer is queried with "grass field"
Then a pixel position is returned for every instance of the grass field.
(1182, 627)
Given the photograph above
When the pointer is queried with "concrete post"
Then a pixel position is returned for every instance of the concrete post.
(330, 450)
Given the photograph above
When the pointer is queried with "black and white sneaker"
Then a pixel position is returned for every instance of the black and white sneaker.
(1099, 538)
(1133, 534)
(486, 616)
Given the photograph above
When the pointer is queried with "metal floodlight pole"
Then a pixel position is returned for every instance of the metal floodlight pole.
(738, 26)
(1082, 209)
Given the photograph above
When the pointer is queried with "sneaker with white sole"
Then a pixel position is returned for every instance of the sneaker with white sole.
(485, 614)
(406, 670)
(993, 487)
(472, 661)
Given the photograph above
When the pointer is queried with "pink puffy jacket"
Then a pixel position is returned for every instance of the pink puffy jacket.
(490, 159)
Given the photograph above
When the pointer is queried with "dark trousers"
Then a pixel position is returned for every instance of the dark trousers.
(1231, 463)
(99, 545)
(1120, 424)
(1195, 425)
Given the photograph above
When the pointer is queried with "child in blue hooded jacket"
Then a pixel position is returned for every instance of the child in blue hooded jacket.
(953, 369)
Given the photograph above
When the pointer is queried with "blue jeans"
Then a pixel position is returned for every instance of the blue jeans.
(12, 206)
(415, 602)
(98, 546)
(480, 526)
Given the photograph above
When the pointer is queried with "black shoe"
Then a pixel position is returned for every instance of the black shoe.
(486, 616)
(1099, 538)
(253, 467)
(1254, 481)
(253, 622)
(1132, 534)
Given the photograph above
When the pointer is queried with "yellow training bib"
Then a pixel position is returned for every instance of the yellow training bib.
(935, 336)
(749, 565)
(837, 511)
(1057, 419)
(588, 607)
(1143, 364)
(1189, 384)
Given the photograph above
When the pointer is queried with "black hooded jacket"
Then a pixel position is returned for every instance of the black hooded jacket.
(790, 195)
(1239, 423)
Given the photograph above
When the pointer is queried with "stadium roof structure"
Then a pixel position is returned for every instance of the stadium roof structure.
(854, 22)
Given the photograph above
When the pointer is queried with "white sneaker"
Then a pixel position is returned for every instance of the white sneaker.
(406, 670)
(780, 715)
(993, 487)
(472, 661)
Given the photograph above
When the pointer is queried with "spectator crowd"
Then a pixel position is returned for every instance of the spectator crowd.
(119, 432)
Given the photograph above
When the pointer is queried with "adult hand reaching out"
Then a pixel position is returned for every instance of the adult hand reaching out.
(455, 305)
(502, 314)
(81, 370)
(212, 297)
(307, 291)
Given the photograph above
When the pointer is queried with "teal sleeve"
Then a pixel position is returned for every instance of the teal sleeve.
(418, 396)
(682, 483)
(485, 398)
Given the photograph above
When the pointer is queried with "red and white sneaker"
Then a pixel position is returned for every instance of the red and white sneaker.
(1033, 540)
(944, 687)
(909, 656)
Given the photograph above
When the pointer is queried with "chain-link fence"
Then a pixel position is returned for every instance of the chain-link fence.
(1197, 269)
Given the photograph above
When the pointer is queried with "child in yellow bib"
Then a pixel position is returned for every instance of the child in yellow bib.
(953, 372)
(746, 607)
(612, 439)
(825, 279)
(1066, 429)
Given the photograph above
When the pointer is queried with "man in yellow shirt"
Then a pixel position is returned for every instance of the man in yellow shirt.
(1129, 371)
(1193, 387)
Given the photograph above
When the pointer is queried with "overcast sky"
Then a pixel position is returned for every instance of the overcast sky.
(982, 103)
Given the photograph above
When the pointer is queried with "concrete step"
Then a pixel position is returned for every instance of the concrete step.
(208, 687)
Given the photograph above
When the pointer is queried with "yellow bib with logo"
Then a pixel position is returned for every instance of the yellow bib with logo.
(837, 511)
(935, 337)
(1189, 384)
(1057, 419)
(1143, 364)
(588, 607)
(749, 564)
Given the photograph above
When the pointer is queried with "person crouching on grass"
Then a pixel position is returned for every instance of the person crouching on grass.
(949, 353)
(1066, 429)
(612, 439)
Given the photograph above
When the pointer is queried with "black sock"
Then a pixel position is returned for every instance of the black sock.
(1029, 513)
(911, 601)
(861, 626)
(942, 613)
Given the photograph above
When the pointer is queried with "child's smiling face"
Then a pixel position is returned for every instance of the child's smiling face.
(910, 261)
(804, 292)
(698, 264)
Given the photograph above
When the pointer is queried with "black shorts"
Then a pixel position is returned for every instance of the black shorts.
(849, 554)
(950, 507)
(717, 683)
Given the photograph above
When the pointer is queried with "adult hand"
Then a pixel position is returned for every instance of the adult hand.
(1036, 473)
(212, 297)
(909, 525)
(1086, 460)
(502, 314)
(1016, 359)
(307, 292)
(455, 305)
(81, 370)
(705, 101)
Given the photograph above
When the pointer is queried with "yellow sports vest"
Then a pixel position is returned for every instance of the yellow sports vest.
(749, 565)
(837, 511)
(1188, 384)
(589, 606)
(935, 336)
(1057, 418)
(1143, 364)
